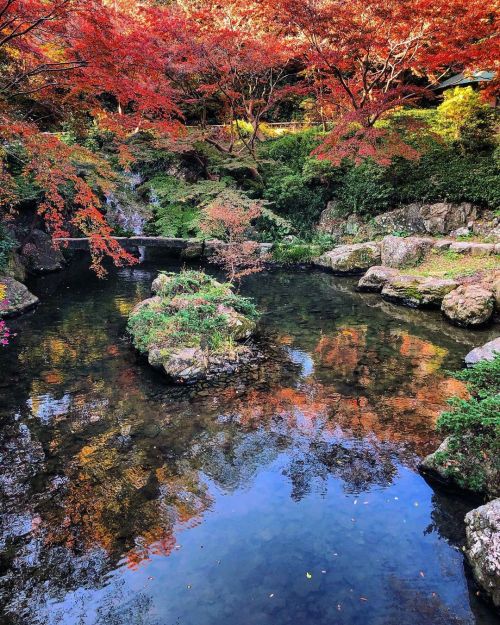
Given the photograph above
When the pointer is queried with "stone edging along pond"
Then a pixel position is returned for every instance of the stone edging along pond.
(469, 303)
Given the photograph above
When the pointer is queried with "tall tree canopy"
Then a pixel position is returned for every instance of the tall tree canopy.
(153, 66)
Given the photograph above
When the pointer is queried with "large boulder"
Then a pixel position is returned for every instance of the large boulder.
(485, 352)
(376, 278)
(469, 305)
(416, 291)
(351, 259)
(39, 254)
(483, 547)
(405, 252)
(18, 298)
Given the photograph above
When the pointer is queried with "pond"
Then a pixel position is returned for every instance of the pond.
(290, 498)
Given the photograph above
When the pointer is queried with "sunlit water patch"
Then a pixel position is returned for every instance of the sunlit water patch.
(288, 497)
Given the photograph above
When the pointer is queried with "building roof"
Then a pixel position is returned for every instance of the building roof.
(462, 79)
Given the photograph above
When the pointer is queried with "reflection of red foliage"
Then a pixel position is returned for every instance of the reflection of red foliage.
(343, 350)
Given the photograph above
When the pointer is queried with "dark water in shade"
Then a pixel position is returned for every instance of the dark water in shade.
(288, 499)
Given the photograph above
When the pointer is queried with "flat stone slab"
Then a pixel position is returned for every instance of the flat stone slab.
(416, 291)
(473, 249)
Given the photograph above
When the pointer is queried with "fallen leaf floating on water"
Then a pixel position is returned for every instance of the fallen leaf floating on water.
(271, 595)
(422, 574)
(363, 599)
(308, 575)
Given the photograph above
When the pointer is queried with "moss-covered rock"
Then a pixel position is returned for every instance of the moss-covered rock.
(18, 299)
(350, 259)
(193, 327)
(416, 291)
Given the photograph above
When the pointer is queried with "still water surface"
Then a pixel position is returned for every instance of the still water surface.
(290, 498)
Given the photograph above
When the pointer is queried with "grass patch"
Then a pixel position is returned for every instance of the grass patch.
(448, 264)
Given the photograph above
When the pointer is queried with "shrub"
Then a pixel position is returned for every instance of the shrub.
(296, 184)
(465, 120)
(472, 457)
(365, 190)
(193, 310)
(443, 175)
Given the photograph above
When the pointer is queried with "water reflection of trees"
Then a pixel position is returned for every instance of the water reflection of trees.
(103, 464)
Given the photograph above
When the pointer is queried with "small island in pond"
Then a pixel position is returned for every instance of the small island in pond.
(194, 327)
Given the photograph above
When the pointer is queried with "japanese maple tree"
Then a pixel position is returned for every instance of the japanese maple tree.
(372, 56)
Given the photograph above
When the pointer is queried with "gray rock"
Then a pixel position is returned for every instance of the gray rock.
(405, 252)
(350, 259)
(442, 245)
(18, 298)
(483, 547)
(469, 305)
(432, 465)
(15, 267)
(485, 352)
(39, 254)
(474, 249)
(460, 232)
(160, 282)
(438, 218)
(376, 278)
(416, 291)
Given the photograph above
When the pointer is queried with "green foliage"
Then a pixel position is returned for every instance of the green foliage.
(295, 252)
(465, 120)
(473, 427)
(296, 185)
(442, 174)
(192, 311)
(176, 215)
(365, 190)
(483, 378)
(7, 244)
